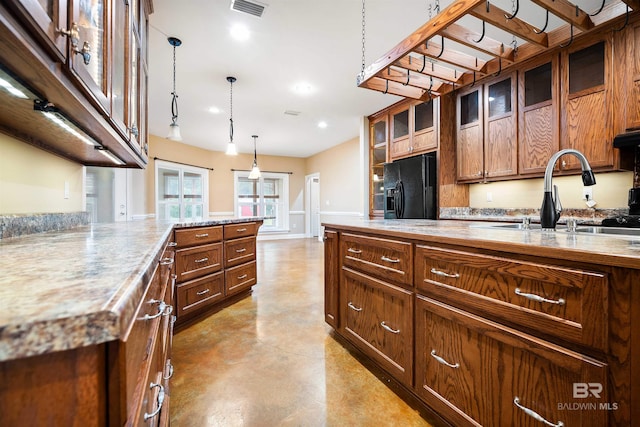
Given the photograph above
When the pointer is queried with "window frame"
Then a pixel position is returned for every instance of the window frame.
(283, 212)
(182, 168)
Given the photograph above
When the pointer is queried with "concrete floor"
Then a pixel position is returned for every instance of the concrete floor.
(270, 360)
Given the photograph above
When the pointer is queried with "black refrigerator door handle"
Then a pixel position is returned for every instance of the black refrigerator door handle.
(399, 202)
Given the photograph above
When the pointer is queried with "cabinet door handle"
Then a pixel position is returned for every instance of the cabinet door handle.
(200, 236)
(535, 415)
(172, 244)
(170, 365)
(353, 307)
(387, 259)
(241, 250)
(168, 309)
(161, 308)
(354, 251)
(160, 401)
(538, 298)
(444, 274)
(240, 230)
(198, 261)
(244, 276)
(444, 362)
(389, 328)
(166, 261)
(202, 292)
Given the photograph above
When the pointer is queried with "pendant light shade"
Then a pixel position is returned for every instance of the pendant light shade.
(174, 129)
(255, 170)
(231, 147)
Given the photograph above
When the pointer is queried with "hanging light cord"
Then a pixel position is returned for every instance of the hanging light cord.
(231, 113)
(255, 155)
(174, 101)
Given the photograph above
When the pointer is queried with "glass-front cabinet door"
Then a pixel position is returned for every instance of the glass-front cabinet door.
(119, 96)
(89, 59)
(47, 18)
(378, 136)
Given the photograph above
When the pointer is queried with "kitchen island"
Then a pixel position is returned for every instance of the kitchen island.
(86, 316)
(492, 326)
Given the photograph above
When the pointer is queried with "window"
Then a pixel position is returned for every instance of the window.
(267, 196)
(181, 192)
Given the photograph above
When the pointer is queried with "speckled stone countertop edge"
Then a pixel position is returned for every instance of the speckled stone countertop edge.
(24, 337)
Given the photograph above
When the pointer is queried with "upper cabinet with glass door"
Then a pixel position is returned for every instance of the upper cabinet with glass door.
(101, 47)
(378, 137)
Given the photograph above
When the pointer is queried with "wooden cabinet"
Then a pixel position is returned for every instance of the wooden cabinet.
(487, 137)
(413, 129)
(213, 263)
(331, 278)
(538, 118)
(378, 144)
(86, 61)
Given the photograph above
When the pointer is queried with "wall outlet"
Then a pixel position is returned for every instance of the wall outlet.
(489, 196)
(587, 193)
(66, 189)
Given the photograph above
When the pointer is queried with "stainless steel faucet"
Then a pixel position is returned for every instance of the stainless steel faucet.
(551, 207)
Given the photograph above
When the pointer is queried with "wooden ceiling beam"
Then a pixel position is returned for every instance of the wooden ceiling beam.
(428, 67)
(568, 12)
(478, 41)
(450, 56)
(500, 19)
(395, 88)
(406, 77)
(633, 4)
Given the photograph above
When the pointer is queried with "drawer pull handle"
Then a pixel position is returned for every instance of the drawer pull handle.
(354, 251)
(160, 401)
(244, 276)
(353, 307)
(389, 328)
(166, 261)
(200, 236)
(535, 415)
(387, 259)
(538, 298)
(198, 261)
(444, 274)
(241, 250)
(161, 308)
(172, 244)
(240, 230)
(202, 292)
(170, 365)
(444, 362)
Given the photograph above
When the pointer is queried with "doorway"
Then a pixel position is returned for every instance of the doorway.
(312, 204)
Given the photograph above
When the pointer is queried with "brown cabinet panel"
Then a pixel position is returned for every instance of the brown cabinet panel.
(198, 261)
(376, 317)
(197, 236)
(240, 278)
(476, 372)
(469, 153)
(239, 251)
(501, 151)
(538, 138)
(331, 278)
(234, 231)
(46, 19)
(565, 303)
(197, 293)
(384, 258)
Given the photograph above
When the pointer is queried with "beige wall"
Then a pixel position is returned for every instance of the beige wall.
(221, 178)
(611, 191)
(340, 171)
(33, 181)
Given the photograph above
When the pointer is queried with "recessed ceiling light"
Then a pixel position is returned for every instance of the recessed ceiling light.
(215, 110)
(322, 125)
(240, 32)
(303, 88)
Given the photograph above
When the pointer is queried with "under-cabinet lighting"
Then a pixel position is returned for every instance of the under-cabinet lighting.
(60, 121)
(109, 155)
(12, 90)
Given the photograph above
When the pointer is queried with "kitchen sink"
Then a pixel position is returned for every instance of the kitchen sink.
(616, 231)
(518, 226)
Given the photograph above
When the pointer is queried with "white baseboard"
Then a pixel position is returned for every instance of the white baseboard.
(227, 214)
(143, 216)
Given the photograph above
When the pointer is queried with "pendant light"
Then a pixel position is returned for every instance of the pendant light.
(174, 129)
(255, 170)
(231, 147)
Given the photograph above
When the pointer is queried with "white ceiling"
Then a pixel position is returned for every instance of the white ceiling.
(314, 41)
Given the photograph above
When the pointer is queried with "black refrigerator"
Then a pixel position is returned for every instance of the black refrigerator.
(410, 187)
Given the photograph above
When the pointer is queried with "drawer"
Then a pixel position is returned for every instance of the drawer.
(240, 278)
(384, 258)
(239, 251)
(198, 261)
(234, 231)
(566, 303)
(378, 318)
(153, 400)
(138, 344)
(477, 372)
(197, 293)
(185, 237)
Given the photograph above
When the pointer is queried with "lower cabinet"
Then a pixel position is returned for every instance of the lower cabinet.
(477, 372)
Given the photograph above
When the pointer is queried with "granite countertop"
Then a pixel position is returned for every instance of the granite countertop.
(621, 251)
(80, 287)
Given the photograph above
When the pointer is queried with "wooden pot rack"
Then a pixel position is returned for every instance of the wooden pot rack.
(422, 66)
